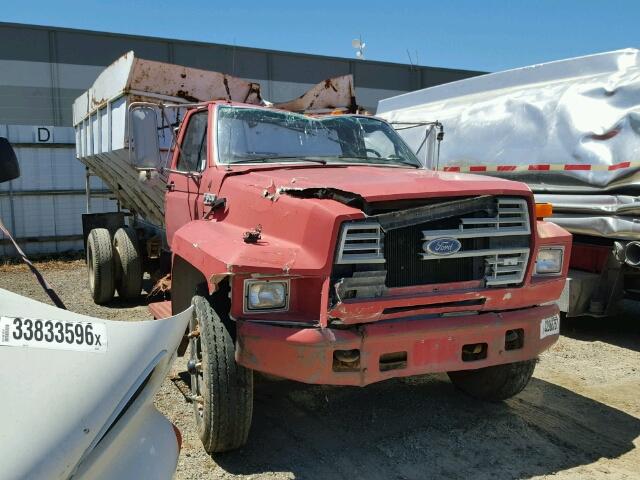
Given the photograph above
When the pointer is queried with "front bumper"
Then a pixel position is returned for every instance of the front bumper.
(431, 345)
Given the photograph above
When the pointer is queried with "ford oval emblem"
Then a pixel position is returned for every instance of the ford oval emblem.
(442, 246)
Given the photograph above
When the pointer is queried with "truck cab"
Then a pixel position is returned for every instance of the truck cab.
(318, 249)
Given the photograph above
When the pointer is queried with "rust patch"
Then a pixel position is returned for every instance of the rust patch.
(186, 96)
(254, 89)
(329, 84)
(226, 87)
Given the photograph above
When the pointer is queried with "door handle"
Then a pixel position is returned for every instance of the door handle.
(171, 186)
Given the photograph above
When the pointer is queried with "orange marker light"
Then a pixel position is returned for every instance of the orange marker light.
(543, 210)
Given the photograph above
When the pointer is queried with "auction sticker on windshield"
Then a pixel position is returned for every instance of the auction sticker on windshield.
(53, 334)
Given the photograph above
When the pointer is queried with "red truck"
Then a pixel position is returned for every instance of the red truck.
(316, 248)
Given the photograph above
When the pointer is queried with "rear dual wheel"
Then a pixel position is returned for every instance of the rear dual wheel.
(100, 265)
(128, 263)
(113, 264)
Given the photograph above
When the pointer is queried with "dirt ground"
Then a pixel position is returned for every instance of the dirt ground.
(579, 418)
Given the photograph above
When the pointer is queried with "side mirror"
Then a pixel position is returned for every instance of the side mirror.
(9, 168)
(144, 133)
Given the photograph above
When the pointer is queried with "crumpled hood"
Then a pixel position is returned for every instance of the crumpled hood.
(376, 184)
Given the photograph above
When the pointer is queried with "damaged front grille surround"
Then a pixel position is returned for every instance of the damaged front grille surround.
(495, 246)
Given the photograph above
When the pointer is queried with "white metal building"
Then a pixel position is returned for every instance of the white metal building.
(43, 208)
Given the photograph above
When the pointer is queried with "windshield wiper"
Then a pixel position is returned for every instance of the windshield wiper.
(379, 160)
(283, 157)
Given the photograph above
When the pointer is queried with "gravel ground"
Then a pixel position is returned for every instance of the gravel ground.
(579, 418)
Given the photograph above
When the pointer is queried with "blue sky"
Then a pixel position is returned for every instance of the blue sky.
(478, 35)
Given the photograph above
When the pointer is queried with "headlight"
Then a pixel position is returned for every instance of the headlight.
(549, 260)
(266, 295)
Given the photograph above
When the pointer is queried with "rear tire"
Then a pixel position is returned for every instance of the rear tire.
(222, 389)
(494, 383)
(128, 263)
(100, 265)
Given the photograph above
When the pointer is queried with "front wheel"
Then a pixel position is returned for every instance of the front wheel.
(494, 383)
(222, 390)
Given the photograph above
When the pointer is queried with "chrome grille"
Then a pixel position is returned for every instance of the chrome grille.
(494, 247)
(512, 218)
(360, 242)
(504, 264)
(506, 267)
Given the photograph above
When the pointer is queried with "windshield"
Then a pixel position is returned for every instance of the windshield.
(254, 135)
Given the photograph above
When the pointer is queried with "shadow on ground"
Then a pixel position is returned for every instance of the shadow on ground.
(144, 299)
(622, 329)
(423, 428)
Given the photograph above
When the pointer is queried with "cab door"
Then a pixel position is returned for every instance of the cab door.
(185, 177)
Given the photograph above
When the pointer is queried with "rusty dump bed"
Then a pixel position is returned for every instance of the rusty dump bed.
(101, 119)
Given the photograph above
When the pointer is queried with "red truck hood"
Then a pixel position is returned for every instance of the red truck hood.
(376, 184)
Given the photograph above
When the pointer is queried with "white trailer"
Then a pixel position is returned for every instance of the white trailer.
(571, 130)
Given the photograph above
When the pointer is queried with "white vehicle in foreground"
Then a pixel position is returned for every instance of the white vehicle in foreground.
(76, 398)
(77, 394)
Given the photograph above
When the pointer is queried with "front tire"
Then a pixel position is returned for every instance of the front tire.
(222, 390)
(494, 383)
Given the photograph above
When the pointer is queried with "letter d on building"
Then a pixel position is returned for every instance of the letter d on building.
(43, 135)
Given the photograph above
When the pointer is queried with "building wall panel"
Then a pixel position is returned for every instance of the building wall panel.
(23, 42)
(101, 49)
(43, 208)
(67, 61)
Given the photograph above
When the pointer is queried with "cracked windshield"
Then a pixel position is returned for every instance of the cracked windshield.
(252, 135)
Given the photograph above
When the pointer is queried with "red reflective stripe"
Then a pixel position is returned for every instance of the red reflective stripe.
(538, 167)
(577, 166)
(616, 166)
